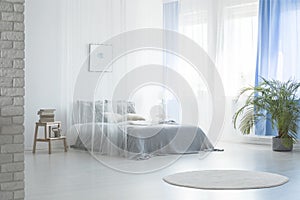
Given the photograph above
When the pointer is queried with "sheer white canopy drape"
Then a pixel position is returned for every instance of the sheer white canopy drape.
(225, 29)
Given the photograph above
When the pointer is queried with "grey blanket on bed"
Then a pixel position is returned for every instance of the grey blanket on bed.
(140, 141)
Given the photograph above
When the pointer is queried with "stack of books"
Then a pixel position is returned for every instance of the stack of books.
(46, 115)
(56, 131)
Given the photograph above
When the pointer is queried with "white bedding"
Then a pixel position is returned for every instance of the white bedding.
(138, 139)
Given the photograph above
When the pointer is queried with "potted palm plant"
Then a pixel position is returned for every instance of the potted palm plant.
(275, 101)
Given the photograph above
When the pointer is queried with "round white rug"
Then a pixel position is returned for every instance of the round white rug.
(226, 179)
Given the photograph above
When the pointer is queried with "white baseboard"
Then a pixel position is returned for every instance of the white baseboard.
(257, 140)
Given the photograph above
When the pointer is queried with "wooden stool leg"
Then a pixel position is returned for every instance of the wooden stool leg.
(46, 136)
(35, 137)
(65, 145)
(49, 146)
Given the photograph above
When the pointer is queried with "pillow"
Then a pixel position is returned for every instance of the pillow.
(133, 117)
(83, 112)
(112, 117)
(100, 108)
(125, 107)
(120, 106)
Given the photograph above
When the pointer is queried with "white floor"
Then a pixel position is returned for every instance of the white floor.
(76, 175)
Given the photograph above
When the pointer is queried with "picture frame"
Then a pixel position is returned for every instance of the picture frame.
(100, 55)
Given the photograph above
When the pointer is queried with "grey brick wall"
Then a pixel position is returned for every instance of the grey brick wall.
(12, 99)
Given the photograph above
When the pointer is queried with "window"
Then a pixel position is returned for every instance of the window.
(227, 31)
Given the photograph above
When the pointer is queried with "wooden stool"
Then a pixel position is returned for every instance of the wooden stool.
(48, 138)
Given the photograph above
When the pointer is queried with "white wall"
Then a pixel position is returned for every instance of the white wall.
(43, 61)
(57, 36)
(96, 21)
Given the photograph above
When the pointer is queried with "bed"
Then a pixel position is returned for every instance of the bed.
(138, 139)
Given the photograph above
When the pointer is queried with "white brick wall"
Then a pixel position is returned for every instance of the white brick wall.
(12, 99)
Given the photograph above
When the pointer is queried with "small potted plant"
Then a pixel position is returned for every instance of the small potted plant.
(275, 101)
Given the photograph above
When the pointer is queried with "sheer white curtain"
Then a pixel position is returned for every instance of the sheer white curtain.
(237, 45)
(227, 31)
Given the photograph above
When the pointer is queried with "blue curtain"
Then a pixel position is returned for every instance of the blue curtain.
(170, 22)
(278, 53)
(170, 14)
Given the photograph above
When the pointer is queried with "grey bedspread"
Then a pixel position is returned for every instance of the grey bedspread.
(140, 141)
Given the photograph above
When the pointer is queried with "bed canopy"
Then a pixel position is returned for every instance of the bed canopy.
(138, 87)
(166, 75)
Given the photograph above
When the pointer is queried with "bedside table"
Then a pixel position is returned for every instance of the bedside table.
(47, 135)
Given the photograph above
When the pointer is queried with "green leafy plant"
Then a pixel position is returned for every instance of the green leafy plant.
(273, 100)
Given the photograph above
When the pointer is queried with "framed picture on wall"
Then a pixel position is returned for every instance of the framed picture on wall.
(100, 57)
